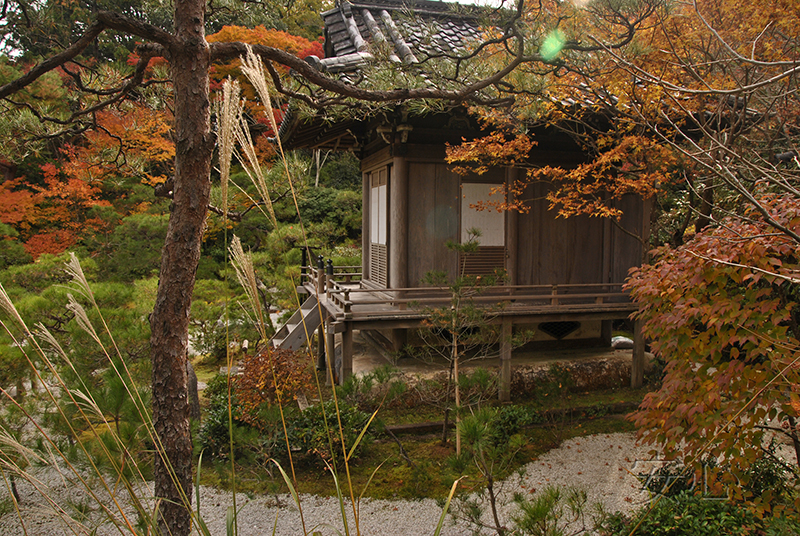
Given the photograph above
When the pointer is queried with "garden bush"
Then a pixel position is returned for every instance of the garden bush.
(381, 387)
(269, 377)
(316, 430)
(257, 436)
(695, 515)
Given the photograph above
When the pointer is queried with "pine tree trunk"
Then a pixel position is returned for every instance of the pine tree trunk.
(189, 62)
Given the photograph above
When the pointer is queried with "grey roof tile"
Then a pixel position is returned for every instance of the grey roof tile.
(413, 28)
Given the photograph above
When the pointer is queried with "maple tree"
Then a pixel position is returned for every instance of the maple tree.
(723, 310)
(703, 93)
(631, 165)
(717, 86)
(51, 216)
(131, 141)
(712, 82)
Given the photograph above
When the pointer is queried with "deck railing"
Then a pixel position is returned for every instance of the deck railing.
(325, 277)
(343, 290)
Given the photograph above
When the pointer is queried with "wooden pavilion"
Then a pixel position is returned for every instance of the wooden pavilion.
(564, 276)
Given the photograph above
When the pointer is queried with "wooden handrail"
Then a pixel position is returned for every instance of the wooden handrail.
(590, 298)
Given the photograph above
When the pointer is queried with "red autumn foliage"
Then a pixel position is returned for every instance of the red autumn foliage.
(723, 312)
(271, 376)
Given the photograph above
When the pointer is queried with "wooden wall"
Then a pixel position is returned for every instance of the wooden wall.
(549, 250)
(626, 251)
(433, 219)
(557, 250)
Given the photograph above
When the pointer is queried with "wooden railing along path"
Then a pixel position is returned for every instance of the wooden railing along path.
(343, 290)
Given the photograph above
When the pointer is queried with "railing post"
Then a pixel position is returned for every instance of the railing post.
(321, 275)
(554, 295)
(329, 276)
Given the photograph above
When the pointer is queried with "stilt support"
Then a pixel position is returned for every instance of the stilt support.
(505, 362)
(637, 365)
(330, 352)
(347, 352)
(321, 348)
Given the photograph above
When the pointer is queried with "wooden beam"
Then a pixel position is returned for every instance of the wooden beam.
(330, 346)
(504, 390)
(347, 353)
(512, 232)
(321, 347)
(637, 365)
(365, 221)
(415, 320)
(606, 331)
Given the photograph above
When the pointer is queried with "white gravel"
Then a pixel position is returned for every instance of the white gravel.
(599, 464)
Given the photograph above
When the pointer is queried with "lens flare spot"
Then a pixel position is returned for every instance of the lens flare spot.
(552, 46)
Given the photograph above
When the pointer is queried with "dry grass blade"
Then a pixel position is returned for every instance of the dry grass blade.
(10, 309)
(253, 69)
(82, 318)
(229, 111)
(245, 273)
(75, 271)
(252, 167)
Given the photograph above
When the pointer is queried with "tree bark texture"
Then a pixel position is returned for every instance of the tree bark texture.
(189, 62)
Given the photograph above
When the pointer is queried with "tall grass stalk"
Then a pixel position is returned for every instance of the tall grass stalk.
(253, 69)
(115, 494)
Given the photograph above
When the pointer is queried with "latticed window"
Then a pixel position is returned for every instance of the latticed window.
(378, 226)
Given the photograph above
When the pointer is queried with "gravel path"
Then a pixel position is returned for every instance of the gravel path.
(599, 464)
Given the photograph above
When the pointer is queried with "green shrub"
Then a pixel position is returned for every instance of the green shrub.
(684, 514)
(769, 477)
(554, 511)
(507, 422)
(250, 443)
(670, 480)
(316, 432)
(214, 435)
(368, 391)
(135, 247)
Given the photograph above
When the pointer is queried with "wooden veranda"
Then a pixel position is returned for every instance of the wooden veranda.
(345, 303)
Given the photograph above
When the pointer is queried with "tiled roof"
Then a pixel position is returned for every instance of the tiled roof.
(407, 31)
(413, 29)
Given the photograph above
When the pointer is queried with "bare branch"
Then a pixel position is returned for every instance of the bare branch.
(121, 23)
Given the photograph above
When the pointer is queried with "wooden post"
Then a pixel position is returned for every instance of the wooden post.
(330, 347)
(365, 225)
(347, 352)
(606, 330)
(399, 339)
(398, 224)
(637, 365)
(321, 347)
(329, 277)
(321, 276)
(398, 230)
(512, 233)
(505, 361)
